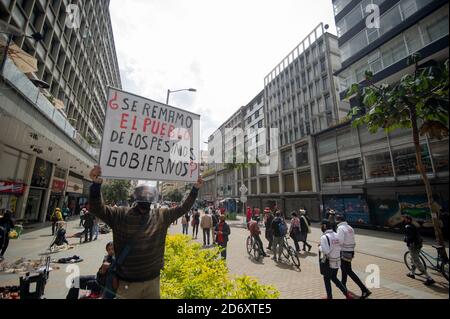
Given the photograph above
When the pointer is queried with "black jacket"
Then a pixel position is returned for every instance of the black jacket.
(412, 236)
(276, 227)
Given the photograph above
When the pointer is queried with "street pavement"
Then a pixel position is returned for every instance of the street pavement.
(383, 250)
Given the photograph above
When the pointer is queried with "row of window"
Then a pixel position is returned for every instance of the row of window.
(401, 162)
(427, 31)
(388, 21)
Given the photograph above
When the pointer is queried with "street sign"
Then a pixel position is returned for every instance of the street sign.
(243, 189)
(244, 199)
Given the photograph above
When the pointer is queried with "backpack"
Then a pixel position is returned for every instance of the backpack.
(282, 227)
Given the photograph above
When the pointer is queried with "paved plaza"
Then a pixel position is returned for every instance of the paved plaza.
(375, 250)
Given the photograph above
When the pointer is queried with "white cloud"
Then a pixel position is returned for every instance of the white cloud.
(224, 49)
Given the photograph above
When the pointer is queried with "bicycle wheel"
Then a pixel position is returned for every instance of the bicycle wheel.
(285, 251)
(249, 245)
(294, 257)
(257, 251)
(409, 263)
(444, 269)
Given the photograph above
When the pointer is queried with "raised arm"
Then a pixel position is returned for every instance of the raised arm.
(97, 207)
(175, 213)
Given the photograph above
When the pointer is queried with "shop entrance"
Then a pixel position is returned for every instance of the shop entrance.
(34, 205)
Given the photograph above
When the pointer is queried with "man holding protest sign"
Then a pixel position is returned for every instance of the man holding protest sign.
(139, 237)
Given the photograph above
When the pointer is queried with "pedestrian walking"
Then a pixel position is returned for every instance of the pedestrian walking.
(223, 232)
(330, 260)
(415, 243)
(268, 219)
(206, 224)
(255, 232)
(185, 223)
(82, 212)
(139, 237)
(346, 235)
(305, 229)
(195, 223)
(294, 231)
(56, 217)
(331, 216)
(279, 230)
(6, 225)
(88, 224)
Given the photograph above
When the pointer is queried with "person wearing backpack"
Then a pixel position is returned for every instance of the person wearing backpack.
(279, 230)
(185, 223)
(268, 219)
(330, 259)
(305, 229)
(346, 236)
(415, 243)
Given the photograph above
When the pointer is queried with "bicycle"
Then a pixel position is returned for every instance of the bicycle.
(253, 248)
(289, 252)
(439, 263)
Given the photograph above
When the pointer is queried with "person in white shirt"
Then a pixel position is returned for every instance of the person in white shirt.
(330, 252)
(346, 236)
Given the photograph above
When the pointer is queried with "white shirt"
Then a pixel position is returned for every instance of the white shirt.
(331, 248)
(346, 235)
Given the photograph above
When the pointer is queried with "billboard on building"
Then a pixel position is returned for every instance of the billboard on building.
(148, 140)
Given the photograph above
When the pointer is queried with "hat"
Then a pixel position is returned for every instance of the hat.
(58, 209)
(145, 194)
(267, 210)
(302, 211)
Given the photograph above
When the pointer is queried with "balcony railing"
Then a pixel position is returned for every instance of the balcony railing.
(30, 92)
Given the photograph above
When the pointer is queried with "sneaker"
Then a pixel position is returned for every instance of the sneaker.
(366, 294)
(411, 276)
(429, 282)
(309, 249)
(275, 259)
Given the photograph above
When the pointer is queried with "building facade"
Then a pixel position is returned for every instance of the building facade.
(372, 178)
(49, 137)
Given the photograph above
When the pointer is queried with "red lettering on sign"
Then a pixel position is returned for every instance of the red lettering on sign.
(124, 121)
(112, 103)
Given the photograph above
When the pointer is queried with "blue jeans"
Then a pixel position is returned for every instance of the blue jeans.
(96, 231)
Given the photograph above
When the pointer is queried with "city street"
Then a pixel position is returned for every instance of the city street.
(374, 248)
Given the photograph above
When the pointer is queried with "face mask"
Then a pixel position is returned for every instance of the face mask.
(144, 206)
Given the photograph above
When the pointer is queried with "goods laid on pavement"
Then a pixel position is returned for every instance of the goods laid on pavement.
(22, 266)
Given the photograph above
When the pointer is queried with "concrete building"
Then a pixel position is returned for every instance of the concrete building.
(372, 178)
(49, 138)
(300, 99)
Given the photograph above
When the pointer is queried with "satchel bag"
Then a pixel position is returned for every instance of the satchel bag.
(324, 264)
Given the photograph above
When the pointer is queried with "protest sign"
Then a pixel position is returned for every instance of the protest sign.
(148, 140)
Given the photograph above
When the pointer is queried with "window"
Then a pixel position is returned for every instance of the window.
(305, 181)
(327, 145)
(274, 185)
(394, 52)
(405, 161)
(325, 83)
(289, 185)
(330, 173)
(389, 20)
(348, 139)
(302, 155)
(351, 170)
(435, 29)
(439, 150)
(379, 165)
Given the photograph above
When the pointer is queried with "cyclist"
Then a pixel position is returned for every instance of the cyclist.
(415, 243)
(279, 230)
(255, 232)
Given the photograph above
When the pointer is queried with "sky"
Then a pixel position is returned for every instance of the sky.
(222, 48)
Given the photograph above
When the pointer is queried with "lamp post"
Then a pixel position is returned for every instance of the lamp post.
(167, 102)
(170, 92)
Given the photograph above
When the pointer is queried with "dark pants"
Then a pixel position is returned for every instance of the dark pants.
(304, 240)
(224, 251)
(88, 232)
(297, 246)
(4, 242)
(346, 267)
(86, 283)
(332, 277)
(185, 229)
(260, 243)
(206, 236)
(269, 238)
(195, 230)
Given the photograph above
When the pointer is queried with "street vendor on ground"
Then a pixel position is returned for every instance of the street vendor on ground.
(139, 236)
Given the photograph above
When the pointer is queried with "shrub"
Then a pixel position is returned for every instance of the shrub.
(191, 272)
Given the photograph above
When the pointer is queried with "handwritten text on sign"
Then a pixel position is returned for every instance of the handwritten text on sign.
(147, 140)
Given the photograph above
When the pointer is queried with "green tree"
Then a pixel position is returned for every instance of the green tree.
(418, 102)
(117, 191)
(174, 196)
